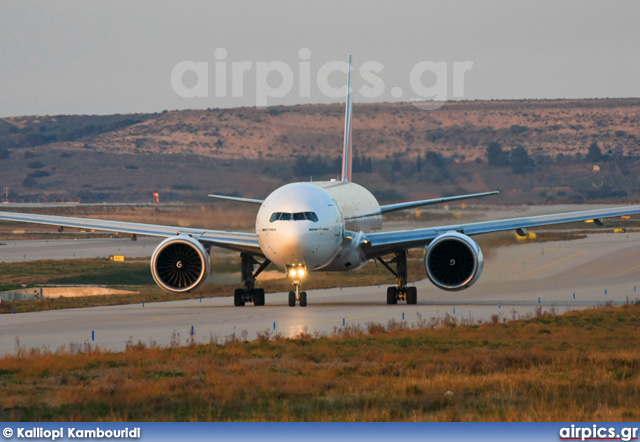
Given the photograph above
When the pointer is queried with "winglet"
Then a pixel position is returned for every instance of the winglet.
(346, 150)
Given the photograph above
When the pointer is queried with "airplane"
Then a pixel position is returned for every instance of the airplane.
(317, 226)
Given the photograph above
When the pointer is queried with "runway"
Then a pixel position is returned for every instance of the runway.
(599, 269)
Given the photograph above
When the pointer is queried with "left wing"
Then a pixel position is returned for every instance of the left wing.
(378, 244)
(410, 205)
(236, 199)
(242, 242)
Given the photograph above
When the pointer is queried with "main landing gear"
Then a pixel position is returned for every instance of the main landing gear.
(250, 293)
(401, 292)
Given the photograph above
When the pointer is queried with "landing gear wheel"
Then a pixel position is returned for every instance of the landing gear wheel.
(258, 296)
(412, 295)
(238, 298)
(249, 293)
(303, 299)
(392, 295)
(292, 299)
(401, 292)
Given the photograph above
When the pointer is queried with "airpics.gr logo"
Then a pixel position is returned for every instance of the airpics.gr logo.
(597, 432)
(269, 80)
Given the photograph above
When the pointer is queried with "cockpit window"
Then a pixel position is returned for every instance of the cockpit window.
(311, 216)
(299, 216)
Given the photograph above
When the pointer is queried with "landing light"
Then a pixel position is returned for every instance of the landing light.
(297, 272)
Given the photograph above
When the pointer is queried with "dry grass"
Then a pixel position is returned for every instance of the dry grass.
(580, 366)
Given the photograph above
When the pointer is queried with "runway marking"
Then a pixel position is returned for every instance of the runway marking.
(626, 272)
(553, 263)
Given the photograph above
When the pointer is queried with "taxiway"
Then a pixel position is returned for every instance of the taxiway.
(517, 280)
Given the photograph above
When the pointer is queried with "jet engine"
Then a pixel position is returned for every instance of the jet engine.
(453, 261)
(180, 264)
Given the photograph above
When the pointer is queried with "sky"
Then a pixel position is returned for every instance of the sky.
(114, 56)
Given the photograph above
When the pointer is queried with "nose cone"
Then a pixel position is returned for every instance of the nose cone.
(292, 243)
(312, 240)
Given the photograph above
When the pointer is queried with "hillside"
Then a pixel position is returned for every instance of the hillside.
(380, 130)
(185, 154)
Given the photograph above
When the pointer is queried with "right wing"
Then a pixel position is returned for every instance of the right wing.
(238, 241)
(378, 244)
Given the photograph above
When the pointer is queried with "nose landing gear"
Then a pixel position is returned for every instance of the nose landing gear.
(296, 273)
(297, 296)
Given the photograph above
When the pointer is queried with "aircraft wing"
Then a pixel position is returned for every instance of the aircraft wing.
(236, 199)
(378, 244)
(412, 204)
(242, 242)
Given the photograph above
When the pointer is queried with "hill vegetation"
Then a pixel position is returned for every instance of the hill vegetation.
(532, 150)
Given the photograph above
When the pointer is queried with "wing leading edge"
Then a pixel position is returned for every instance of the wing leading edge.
(242, 242)
(378, 244)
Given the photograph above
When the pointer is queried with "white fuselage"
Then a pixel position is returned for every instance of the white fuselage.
(317, 225)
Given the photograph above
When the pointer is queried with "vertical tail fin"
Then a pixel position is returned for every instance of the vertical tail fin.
(346, 150)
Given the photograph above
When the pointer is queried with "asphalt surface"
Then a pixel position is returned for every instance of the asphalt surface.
(517, 280)
(38, 249)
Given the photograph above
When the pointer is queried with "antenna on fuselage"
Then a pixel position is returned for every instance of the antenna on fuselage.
(346, 150)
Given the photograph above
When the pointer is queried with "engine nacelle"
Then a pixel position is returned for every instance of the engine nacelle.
(453, 261)
(180, 264)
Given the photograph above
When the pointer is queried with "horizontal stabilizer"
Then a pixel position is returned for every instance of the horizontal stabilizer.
(236, 199)
(410, 205)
